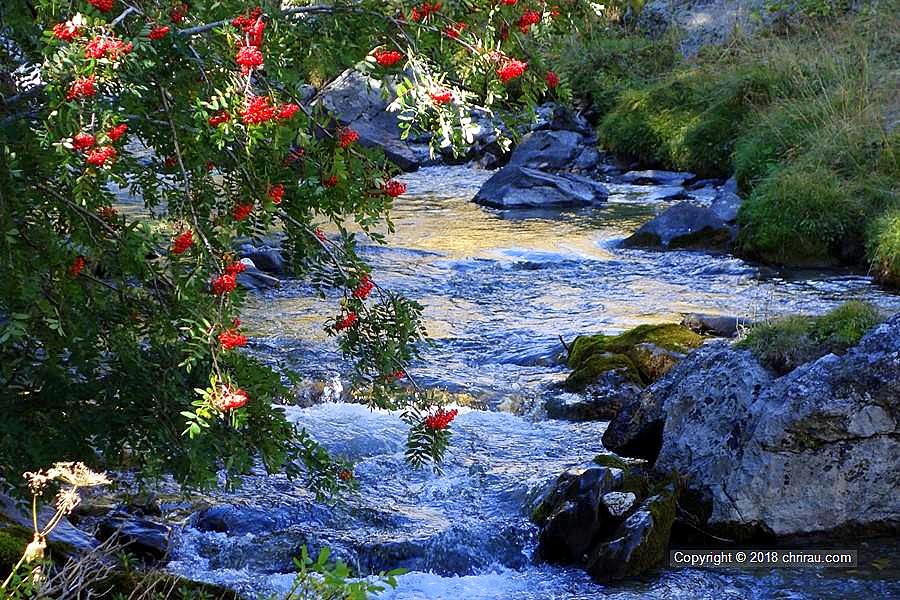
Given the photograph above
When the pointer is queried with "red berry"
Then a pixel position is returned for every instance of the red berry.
(441, 419)
(116, 132)
(182, 242)
(230, 338)
(511, 69)
(552, 79)
(347, 137)
(66, 32)
(102, 5)
(224, 284)
(276, 193)
(394, 188)
(157, 33)
(82, 141)
(76, 267)
(387, 58)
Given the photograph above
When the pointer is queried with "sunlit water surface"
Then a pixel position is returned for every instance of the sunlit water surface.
(500, 288)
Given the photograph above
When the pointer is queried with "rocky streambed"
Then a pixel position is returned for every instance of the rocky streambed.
(503, 289)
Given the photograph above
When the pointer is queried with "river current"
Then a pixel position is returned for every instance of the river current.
(500, 288)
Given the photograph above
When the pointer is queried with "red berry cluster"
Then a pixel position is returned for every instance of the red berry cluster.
(508, 2)
(102, 5)
(365, 287)
(82, 141)
(100, 156)
(158, 33)
(83, 87)
(286, 111)
(276, 193)
(230, 338)
(441, 96)
(346, 322)
(241, 211)
(249, 57)
(454, 30)
(330, 182)
(66, 32)
(528, 19)
(252, 25)
(227, 281)
(347, 137)
(231, 399)
(395, 376)
(511, 69)
(394, 188)
(441, 419)
(259, 109)
(320, 235)
(183, 241)
(424, 10)
(76, 267)
(552, 79)
(220, 117)
(387, 58)
(116, 132)
(107, 47)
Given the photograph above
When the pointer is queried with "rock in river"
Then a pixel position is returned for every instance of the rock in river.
(518, 187)
(684, 225)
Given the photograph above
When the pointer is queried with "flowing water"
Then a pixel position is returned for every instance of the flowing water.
(500, 289)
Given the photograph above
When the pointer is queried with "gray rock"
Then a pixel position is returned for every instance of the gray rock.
(654, 177)
(141, 537)
(549, 150)
(235, 520)
(265, 259)
(717, 325)
(65, 534)
(709, 22)
(815, 450)
(253, 279)
(684, 225)
(574, 515)
(639, 544)
(670, 192)
(358, 101)
(619, 503)
(726, 206)
(557, 117)
(601, 400)
(517, 187)
(638, 429)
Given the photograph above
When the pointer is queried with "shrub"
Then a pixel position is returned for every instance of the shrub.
(884, 248)
(786, 343)
(801, 215)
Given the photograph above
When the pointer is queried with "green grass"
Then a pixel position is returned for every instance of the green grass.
(884, 248)
(600, 63)
(789, 342)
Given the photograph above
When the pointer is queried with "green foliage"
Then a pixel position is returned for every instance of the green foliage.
(784, 344)
(601, 63)
(107, 325)
(12, 544)
(810, 8)
(801, 215)
(323, 579)
(688, 121)
(884, 247)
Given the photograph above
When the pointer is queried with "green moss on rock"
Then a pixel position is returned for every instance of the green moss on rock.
(784, 344)
(643, 353)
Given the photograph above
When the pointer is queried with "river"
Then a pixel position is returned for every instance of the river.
(500, 288)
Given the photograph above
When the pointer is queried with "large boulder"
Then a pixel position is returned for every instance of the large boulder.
(703, 23)
(523, 187)
(142, 537)
(684, 225)
(714, 374)
(815, 450)
(643, 353)
(361, 102)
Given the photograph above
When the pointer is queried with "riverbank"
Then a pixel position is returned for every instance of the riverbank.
(805, 115)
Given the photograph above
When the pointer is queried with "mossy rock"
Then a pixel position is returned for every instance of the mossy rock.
(596, 364)
(652, 553)
(643, 353)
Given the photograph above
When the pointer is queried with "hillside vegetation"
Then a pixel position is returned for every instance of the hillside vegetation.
(805, 116)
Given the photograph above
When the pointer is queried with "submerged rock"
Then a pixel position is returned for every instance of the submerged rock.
(602, 399)
(653, 177)
(815, 450)
(718, 325)
(516, 187)
(140, 536)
